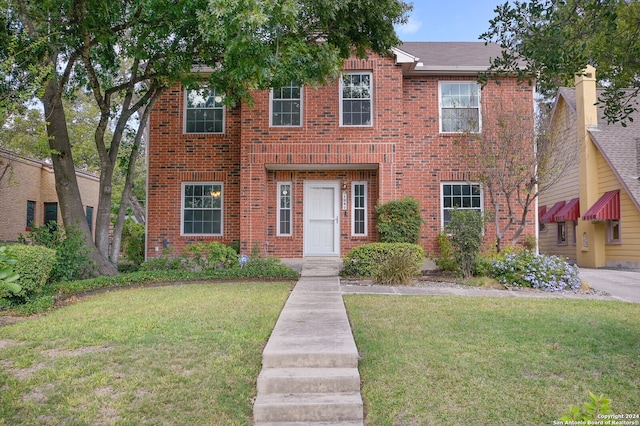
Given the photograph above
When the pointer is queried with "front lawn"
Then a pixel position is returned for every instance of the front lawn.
(498, 361)
(185, 354)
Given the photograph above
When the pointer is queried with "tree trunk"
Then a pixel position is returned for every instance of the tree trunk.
(137, 209)
(65, 174)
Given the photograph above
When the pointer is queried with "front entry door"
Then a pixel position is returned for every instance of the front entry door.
(322, 219)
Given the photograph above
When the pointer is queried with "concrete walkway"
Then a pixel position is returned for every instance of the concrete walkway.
(310, 363)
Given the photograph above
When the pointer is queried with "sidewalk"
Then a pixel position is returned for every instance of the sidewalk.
(310, 363)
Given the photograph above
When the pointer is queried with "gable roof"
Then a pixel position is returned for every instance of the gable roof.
(446, 57)
(619, 145)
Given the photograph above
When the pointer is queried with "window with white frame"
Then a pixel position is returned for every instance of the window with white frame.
(202, 208)
(284, 208)
(459, 107)
(613, 232)
(462, 196)
(356, 96)
(286, 105)
(204, 111)
(359, 209)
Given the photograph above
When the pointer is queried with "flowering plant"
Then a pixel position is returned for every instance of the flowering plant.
(528, 269)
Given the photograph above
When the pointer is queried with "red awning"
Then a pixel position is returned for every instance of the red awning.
(607, 207)
(541, 211)
(549, 216)
(571, 211)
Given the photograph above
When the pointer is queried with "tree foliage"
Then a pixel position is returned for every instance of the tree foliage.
(512, 152)
(126, 53)
(552, 40)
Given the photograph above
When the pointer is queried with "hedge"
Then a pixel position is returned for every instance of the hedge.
(34, 266)
(364, 261)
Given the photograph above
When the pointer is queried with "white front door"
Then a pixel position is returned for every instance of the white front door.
(322, 218)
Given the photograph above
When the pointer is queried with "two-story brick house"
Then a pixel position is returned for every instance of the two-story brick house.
(299, 172)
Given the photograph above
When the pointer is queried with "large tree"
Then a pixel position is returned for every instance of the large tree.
(552, 40)
(511, 152)
(243, 44)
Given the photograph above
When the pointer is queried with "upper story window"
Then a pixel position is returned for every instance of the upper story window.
(204, 111)
(286, 105)
(459, 107)
(462, 196)
(356, 95)
(202, 208)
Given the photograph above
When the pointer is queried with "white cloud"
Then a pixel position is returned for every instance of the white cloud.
(411, 27)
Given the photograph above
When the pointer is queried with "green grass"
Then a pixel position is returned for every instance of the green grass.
(497, 361)
(185, 354)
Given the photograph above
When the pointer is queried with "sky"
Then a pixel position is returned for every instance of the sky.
(448, 20)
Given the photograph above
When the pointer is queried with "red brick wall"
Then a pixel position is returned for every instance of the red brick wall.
(409, 156)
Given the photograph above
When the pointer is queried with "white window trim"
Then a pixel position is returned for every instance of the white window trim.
(440, 83)
(271, 100)
(366, 208)
(184, 119)
(278, 232)
(442, 209)
(184, 184)
(370, 98)
(610, 239)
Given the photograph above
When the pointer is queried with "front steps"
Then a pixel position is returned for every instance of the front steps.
(310, 363)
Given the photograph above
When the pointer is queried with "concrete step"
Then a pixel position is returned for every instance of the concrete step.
(310, 407)
(308, 380)
(328, 354)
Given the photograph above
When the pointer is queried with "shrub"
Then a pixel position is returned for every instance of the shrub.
(7, 275)
(162, 264)
(364, 260)
(591, 413)
(211, 255)
(399, 221)
(133, 241)
(446, 261)
(525, 268)
(72, 255)
(398, 269)
(465, 228)
(34, 265)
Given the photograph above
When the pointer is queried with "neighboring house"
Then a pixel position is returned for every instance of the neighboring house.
(299, 172)
(28, 196)
(592, 213)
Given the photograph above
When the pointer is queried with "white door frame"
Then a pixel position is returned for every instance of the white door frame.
(308, 231)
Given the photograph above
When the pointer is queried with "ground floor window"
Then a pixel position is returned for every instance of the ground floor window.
(89, 214)
(50, 214)
(31, 214)
(562, 233)
(359, 209)
(613, 231)
(462, 196)
(284, 208)
(202, 208)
